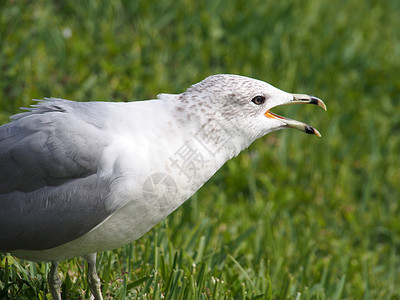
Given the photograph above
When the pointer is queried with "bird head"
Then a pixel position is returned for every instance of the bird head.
(245, 104)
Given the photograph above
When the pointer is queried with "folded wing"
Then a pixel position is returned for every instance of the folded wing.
(50, 192)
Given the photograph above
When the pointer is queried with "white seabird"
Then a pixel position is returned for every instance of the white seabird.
(82, 177)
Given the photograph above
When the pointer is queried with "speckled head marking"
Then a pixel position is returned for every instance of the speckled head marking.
(230, 100)
(227, 98)
(233, 87)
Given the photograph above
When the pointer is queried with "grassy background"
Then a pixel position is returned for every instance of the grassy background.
(293, 217)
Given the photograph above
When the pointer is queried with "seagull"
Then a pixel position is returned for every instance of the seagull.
(83, 177)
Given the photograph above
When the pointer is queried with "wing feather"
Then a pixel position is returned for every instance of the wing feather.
(50, 192)
(52, 215)
(49, 145)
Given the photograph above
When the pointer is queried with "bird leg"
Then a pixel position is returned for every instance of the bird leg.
(54, 281)
(93, 279)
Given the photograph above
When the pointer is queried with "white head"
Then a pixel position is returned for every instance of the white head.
(239, 107)
(244, 104)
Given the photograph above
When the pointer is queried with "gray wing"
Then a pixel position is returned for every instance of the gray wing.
(52, 215)
(49, 190)
(54, 142)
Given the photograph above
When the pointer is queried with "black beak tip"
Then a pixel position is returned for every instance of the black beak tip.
(314, 100)
(309, 130)
(317, 101)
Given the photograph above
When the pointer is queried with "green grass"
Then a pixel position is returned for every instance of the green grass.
(293, 217)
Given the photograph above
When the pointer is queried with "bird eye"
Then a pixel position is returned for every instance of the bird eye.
(258, 100)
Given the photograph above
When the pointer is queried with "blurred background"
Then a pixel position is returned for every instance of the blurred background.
(294, 216)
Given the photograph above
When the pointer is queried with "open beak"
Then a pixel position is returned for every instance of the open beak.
(299, 99)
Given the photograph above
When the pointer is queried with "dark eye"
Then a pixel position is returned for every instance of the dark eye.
(258, 100)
